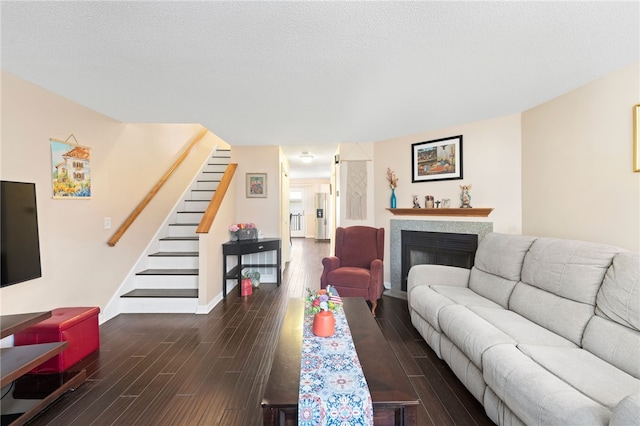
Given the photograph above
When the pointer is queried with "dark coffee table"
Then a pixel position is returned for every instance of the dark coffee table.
(394, 400)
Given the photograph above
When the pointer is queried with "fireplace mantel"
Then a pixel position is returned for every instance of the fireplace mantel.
(470, 212)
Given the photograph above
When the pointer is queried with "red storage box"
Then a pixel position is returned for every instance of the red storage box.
(78, 326)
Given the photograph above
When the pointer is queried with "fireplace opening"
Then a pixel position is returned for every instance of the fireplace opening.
(437, 248)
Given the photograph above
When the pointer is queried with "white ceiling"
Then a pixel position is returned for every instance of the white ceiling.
(305, 74)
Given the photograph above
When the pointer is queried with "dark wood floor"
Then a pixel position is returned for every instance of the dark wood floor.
(181, 369)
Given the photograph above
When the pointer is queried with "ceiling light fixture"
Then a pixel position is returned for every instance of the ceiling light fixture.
(305, 157)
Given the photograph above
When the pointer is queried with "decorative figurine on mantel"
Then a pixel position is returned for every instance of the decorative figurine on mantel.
(416, 203)
(465, 198)
(437, 204)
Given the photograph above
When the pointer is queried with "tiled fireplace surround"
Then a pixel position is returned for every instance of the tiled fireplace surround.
(399, 225)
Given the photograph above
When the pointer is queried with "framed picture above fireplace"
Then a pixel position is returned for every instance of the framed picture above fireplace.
(439, 159)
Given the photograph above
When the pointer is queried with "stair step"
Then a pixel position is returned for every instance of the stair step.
(175, 254)
(174, 259)
(183, 229)
(168, 272)
(206, 184)
(166, 281)
(189, 217)
(202, 194)
(179, 243)
(193, 205)
(180, 238)
(163, 293)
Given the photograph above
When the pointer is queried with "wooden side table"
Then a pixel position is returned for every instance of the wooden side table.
(241, 247)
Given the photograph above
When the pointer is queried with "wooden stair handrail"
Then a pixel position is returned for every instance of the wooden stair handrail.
(136, 212)
(216, 200)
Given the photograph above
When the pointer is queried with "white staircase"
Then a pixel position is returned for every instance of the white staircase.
(167, 281)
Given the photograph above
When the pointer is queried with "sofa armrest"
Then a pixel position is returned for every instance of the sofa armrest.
(627, 412)
(329, 263)
(436, 275)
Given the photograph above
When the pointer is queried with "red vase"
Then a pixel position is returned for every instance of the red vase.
(246, 288)
(324, 324)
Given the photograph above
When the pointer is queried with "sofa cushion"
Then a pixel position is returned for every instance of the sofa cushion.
(430, 334)
(497, 265)
(519, 328)
(614, 343)
(587, 373)
(502, 254)
(463, 368)
(570, 269)
(498, 411)
(427, 275)
(470, 333)
(427, 301)
(627, 412)
(493, 287)
(535, 395)
(619, 296)
(562, 316)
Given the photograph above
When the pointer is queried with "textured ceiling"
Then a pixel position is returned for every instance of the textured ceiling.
(310, 73)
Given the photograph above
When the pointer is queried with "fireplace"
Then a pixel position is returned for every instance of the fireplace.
(438, 248)
(397, 282)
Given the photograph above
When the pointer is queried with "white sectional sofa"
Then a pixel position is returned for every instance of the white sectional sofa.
(541, 331)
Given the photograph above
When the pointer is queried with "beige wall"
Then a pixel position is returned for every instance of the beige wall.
(264, 212)
(78, 268)
(577, 167)
(491, 164)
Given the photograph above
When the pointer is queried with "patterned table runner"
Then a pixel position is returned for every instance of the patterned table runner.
(333, 389)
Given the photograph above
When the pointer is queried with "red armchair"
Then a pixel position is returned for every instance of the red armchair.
(356, 269)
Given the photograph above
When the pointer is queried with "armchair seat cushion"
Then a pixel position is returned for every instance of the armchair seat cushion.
(349, 276)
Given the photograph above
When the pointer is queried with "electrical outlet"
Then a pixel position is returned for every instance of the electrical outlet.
(107, 223)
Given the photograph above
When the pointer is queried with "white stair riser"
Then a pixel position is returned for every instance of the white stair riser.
(209, 185)
(182, 230)
(178, 245)
(195, 206)
(173, 262)
(218, 168)
(210, 176)
(166, 281)
(200, 195)
(141, 305)
(183, 217)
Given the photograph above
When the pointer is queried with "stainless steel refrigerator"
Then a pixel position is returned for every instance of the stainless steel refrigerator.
(322, 221)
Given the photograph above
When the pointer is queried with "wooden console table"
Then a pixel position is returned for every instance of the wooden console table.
(18, 361)
(241, 247)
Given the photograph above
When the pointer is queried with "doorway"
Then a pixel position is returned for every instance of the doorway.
(297, 212)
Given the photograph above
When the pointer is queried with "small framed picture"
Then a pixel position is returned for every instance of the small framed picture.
(256, 185)
(439, 159)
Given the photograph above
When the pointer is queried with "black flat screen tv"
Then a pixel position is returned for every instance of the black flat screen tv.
(20, 245)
